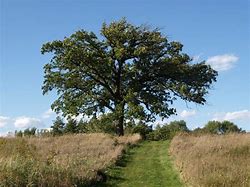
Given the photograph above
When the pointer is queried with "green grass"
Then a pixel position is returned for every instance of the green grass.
(147, 165)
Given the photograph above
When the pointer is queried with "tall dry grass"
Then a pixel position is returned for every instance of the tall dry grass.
(213, 160)
(69, 160)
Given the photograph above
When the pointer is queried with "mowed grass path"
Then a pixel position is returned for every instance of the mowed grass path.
(147, 165)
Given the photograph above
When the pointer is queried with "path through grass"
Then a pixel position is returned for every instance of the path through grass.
(147, 165)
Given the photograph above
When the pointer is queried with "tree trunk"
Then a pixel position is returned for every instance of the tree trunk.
(119, 122)
(119, 127)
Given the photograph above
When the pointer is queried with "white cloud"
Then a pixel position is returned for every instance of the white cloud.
(3, 134)
(49, 113)
(77, 118)
(231, 116)
(161, 122)
(185, 113)
(26, 122)
(3, 121)
(82, 117)
(196, 58)
(222, 62)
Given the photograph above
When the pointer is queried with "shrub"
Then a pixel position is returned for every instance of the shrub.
(26, 132)
(58, 126)
(104, 124)
(71, 127)
(168, 131)
(142, 129)
(216, 127)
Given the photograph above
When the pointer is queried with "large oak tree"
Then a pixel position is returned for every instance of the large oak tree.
(132, 72)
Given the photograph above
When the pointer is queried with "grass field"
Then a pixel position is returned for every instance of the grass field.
(213, 160)
(69, 160)
(99, 160)
(147, 165)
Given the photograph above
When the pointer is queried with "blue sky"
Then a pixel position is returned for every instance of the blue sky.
(216, 31)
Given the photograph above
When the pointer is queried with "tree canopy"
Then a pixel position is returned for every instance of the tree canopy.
(223, 127)
(132, 72)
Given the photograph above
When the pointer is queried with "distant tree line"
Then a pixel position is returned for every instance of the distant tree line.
(28, 132)
(104, 124)
(168, 131)
(217, 127)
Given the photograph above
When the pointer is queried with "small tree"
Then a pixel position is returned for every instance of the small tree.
(71, 127)
(82, 126)
(217, 127)
(58, 126)
(103, 123)
(29, 131)
(177, 126)
(228, 127)
(132, 71)
(19, 133)
(168, 131)
(142, 129)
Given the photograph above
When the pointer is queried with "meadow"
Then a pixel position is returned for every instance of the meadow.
(69, 160)
(213, 160)
(98, 159)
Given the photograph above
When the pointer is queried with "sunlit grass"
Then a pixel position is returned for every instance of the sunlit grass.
(213, 160)
(147, 165)
(69, 160)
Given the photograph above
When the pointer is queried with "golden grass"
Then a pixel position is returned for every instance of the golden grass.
(69, 160)
(213, 160)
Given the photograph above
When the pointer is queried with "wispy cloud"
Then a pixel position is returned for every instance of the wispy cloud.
(4, 121)
(186, 114)
(196, 58)
(26, 122)
(161, 122)
(222, 62)
(237, 115)
(9, 124)
(49, 113)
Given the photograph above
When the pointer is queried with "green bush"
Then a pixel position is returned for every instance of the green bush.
(142, 129)
(58, 126)
(71, 127)
(216, 127)
(103, 124)
(167, 131)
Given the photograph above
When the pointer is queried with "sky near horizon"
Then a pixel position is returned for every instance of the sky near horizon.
(215, 31)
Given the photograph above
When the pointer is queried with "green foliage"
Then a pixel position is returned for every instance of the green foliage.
(133, 71)
(71, 127)
(129, 127)
(58, 126)
(176, 127)
(43, 132)
(19, 133)
(104, 123)
(160, 133)
(223, 127)
(82, 126)
(26, 132)
(168, 131)
(142, 129)
(30, 131)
